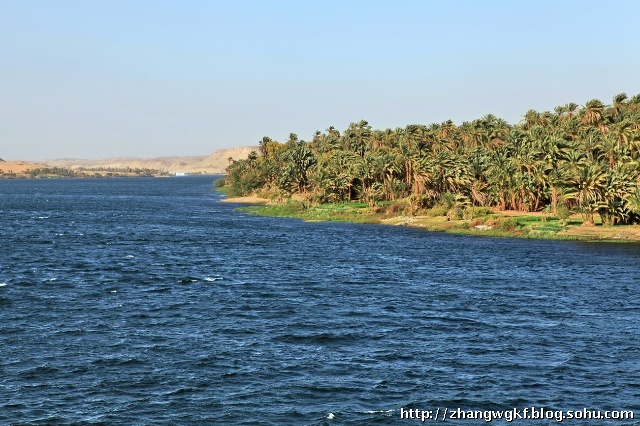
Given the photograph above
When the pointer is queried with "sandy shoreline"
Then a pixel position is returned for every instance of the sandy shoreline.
(249, 199)
(618, 233)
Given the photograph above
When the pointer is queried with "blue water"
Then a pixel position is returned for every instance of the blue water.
(148, 301)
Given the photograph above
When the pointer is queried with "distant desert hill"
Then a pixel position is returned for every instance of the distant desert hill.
(18, 167)
(215, 163)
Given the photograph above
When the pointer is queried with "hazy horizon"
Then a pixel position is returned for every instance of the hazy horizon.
(159, 78)
(141, 157)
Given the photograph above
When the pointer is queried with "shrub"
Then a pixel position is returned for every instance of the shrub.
(421, 201)
(563, 214)
(482, 211)
(476, 221)
(319, 198)
(448, 199)
(395, 208)
(455, 213)
(507, 224)
(268, 194)
(439, 210)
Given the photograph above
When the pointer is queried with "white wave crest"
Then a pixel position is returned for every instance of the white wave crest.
(387, 412)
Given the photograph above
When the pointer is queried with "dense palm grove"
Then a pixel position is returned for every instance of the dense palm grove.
(574, 159)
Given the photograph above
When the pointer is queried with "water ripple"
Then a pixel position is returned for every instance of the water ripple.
(146, 301)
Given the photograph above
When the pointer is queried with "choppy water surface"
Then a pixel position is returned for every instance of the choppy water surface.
(147, 301)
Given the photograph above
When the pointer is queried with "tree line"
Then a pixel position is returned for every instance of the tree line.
(575, 158)
(64, 172)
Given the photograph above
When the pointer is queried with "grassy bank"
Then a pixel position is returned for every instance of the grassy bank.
(351, 212)
(494, 224)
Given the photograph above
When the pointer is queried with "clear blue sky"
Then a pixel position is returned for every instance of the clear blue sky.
(94, 79)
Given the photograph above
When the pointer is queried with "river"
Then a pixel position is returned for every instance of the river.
(148, 301)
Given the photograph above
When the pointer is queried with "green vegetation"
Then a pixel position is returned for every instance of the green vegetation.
(119, 172)
(496, 224)
(352, 212)
(43, 172)
(63, 172)
(574, 160)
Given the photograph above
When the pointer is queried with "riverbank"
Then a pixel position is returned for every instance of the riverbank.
(496, 224)
(248, 199)
(29, 170)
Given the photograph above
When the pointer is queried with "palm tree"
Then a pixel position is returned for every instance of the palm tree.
(299, 160)
(632, 199)
(592, 112)
(587, 158)
(478, 194)
(501, 172)
(618, 185)
(358, 136)
(610, 149)
(557, 182)
(263, 146)
(588, 185)
(619, 103)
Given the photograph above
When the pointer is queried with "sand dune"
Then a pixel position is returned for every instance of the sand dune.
(211, 164)
(18, 167)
